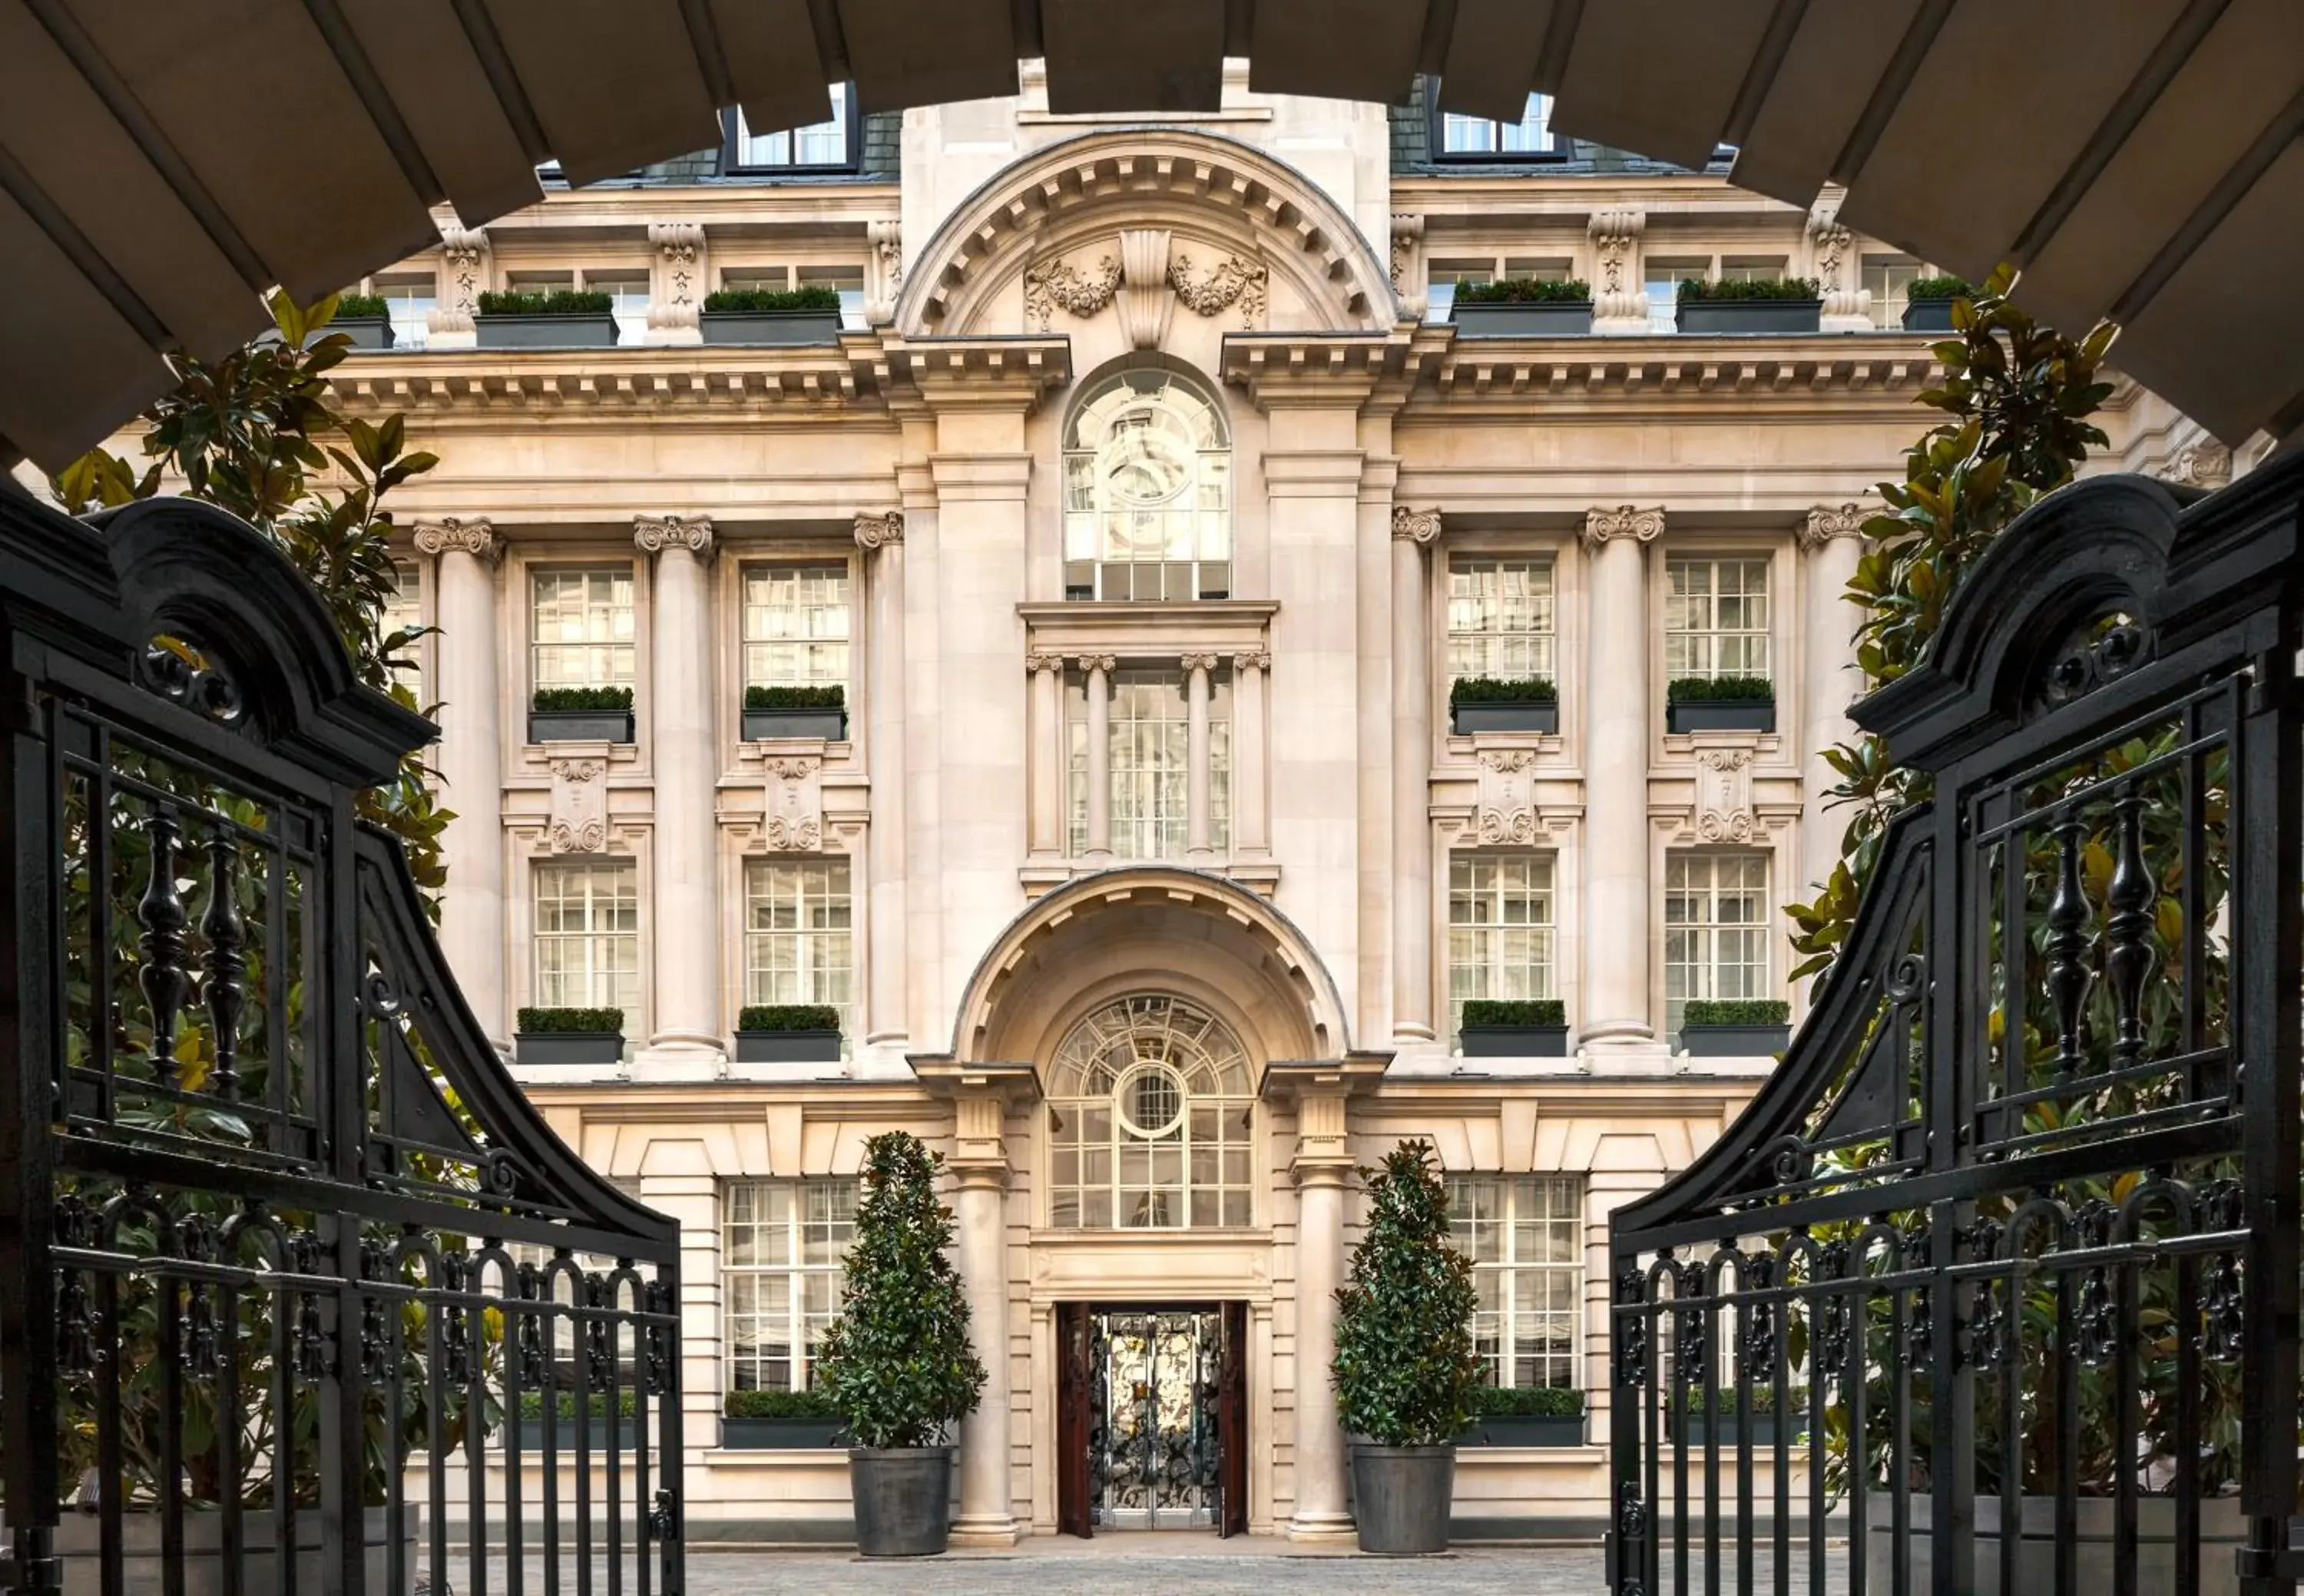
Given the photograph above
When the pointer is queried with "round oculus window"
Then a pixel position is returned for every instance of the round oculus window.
(1151, 1101)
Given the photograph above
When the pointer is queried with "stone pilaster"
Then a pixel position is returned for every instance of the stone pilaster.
(880, 536)
(1322, 1164)
(1199, 773)
(1414, 533)
(686, 1033)
(471, 758)
(1099, 669)
(1617, 719)
(1251, 826)
(1047, 791)
(1832, 542)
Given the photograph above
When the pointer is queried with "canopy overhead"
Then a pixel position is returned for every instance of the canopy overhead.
(160, 162)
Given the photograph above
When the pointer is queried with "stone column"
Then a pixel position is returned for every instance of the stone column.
(471, 760)
(1249, 837)
(980, 1162)
(1047, 755)
(1413, 531)
(1323, 1161)
(881, 537)
(681, 741)
(1617, 718)
(1099, 669)
(1832, 541)
(1198, 768)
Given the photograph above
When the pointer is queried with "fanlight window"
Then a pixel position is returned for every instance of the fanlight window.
(1149, 1108)
(1147, 492)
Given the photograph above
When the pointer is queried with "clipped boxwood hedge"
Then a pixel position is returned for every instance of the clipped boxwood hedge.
(778, 1405)
(1761, 288)
(1527, 1402)
(1515, 1011)
(788, 1016)
(552, 301)
(1525, 291)
(1491, 690)
(580, 700)
(768, 302)
(1702, 690)
(1722, 1401)
(1940, 288)
(360, 307)
(1736, 1011)
(532, 1404)
(551, 1021)
(832, 697)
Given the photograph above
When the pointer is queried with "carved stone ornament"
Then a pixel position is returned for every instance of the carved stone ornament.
(653, 534)
(679, 250)
(1408, 264)
(1036, 662)
(1827, 521)
(1618, 293)
(1625, 520)
(580, 806)
(1254, 660)
(887, 241)
(793, 819)
(877, 528)
(1420, 527)
(1145, 300)
(1723, 795)
(1232, 281)
(1198, 662)
(471, 535)
(1506, 810)
(2204, 464)
(1106, 663)
(464, 255)
(1052, 285)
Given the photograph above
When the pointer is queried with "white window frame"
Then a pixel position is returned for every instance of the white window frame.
(1696, 937)
(1542, 1215)
(1485, 591)
(610, 972)
(1193, 438)
(1490, 954)
(1150, 797)
(825, 1205)
(1696, 643)
(802, 962)
(819, 631)
(1460, 137)
(614, 650)
(1888, 278)
(819, 146)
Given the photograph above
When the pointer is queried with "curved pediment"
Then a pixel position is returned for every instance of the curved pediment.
(1147, 224)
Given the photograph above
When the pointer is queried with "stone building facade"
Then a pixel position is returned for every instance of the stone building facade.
(1145, 509)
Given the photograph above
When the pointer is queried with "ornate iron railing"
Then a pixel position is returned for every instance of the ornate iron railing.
(300, 1295)
(2011, 1239)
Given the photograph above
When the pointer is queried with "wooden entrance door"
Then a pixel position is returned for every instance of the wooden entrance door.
(1232, 1422)
(1075, 1386)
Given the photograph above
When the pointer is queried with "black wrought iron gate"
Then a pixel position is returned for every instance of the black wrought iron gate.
(297, 1293)
(1995, 1287)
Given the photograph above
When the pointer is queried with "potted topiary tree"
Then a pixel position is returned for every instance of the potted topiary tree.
(783, 711)
(1514, 1028)
(1928, 302)
(771, 316)
(1487, 704)
(580, 715)
(1522, 307)
(1405, 1370)
(1719, 704)
(1735, 1028)
(569, 1036)
(1757, 305)
(896, 1364)
(788, 1033)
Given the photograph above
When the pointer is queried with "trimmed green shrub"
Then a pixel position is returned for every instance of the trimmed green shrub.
(547, 302)
(580, 700)
(1736, 1011)
(1761, 288)
(779, 1404)
(1405, 1370)
(833, 697)
(788, 1016)
(1525, 291)
(1722, 1401)
(1491, 690)
(1702, 690)
(551, 1021)
(1515, 1011)
(897, 1363)
(1940, 288)
(360, 307)
(532, 1404)
(1527, 1402)
(766, 302)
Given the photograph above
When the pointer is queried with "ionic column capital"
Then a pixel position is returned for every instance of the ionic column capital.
(1252, 659)
(1038, 663)
(1827, 521)
(1420, 527)
(877, 528)
(1624, 520)
(473, 535)
(1106, 663)
(653, 534)
(1198, 662)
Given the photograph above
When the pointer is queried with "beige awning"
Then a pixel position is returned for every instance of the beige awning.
(162, 160)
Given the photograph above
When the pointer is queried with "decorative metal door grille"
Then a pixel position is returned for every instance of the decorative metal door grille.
(1153, 1461)
(301, 1295)
(2012, 1238)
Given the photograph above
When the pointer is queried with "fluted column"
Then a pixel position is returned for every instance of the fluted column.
(471, 760)
(687, 878)
(881, 537)
(979, 1163)
(1099, 667)
(1199, 767)
(1616, 778)
(1249, 837)
(1832, 541)
(1323, 1161)
(1047, 754)
(1413, 531)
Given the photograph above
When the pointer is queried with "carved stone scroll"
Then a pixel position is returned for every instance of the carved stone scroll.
(580, 807)
(794, 806)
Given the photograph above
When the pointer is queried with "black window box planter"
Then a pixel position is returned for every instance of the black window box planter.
(1540, 318)
(1699, 1429)
(1524, 1430)
(1528, 715)
(528, 1435)
(764, 1435)
(1515, 1041)
(365, 332)
(787, 1047)
(771, 328)
(1735, 1041)
(1720, 714)
(1928, 316)
(568, 1046)
(580, 725)
(1751, 316)
(763, 726)
(546, 332)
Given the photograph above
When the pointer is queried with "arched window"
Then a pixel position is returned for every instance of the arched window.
(1148, 1106)
(1147, 491)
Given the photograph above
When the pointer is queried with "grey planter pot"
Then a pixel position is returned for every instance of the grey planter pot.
(1699, 1429)
(1524, 1430)
(1750, 316)
(1515, 1041)
(546, 332)
(1527, 715)
(904, 1500)
(568, 1046)
(580, 725)
(762, 726)
(1735, 1041)
(1928, 316)
(365, 332)
(79, 1542)
(528, 1435)
(2223, 1533)
(1401, 1497)
(770, 327)
(787, 1047)
(768, 1435)
(1555, 319)
(1720, 714)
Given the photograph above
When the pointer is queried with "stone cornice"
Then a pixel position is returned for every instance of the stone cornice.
(1148, 632)
(1328, 368)
(1890, 367)
(473, 535)
(1623, 521)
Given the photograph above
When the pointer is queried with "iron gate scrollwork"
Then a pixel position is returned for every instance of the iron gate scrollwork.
(301, 1295)
(1994, 1285)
